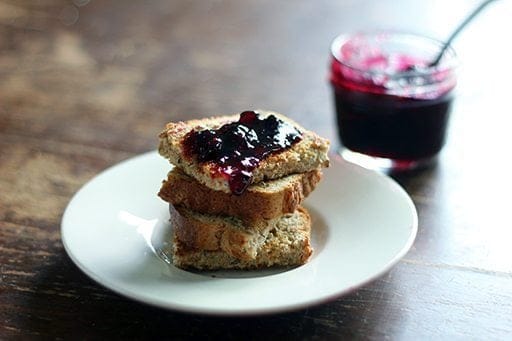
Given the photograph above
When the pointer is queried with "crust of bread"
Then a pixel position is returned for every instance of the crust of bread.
(306, 155)
(265, 200)
(287, 244)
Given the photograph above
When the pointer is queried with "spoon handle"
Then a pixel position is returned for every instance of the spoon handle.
(459, 28)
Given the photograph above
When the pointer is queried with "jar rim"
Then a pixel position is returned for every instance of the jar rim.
(448, 60)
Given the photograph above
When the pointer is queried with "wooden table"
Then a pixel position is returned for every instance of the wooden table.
(86, 84)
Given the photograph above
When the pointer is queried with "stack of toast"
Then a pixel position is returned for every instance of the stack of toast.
(264, 224)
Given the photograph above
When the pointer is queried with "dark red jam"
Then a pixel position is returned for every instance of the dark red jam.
(237, 148)
(384, 118)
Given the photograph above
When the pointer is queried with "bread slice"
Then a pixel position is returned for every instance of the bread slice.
(265, 200)
(211, 232)
(287, 244)
(306, 155)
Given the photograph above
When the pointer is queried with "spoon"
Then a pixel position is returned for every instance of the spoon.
(471, 16)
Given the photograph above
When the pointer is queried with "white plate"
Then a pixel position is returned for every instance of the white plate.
(114, 230)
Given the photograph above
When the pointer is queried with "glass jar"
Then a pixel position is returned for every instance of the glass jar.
(392, 107)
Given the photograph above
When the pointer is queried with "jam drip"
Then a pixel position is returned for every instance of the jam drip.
(237, 148)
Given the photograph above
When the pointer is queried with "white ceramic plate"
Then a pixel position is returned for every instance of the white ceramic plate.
(115, 227)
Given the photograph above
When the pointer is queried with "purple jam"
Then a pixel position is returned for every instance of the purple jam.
(382, 126)
(237, 148)
(390, 105)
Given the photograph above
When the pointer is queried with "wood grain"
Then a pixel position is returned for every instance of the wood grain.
(86, 84)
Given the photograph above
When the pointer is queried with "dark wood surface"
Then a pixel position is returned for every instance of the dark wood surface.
(85, 84)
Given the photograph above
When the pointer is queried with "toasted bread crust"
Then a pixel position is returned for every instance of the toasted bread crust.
(306, 155)
(288, 244)
(267, 200)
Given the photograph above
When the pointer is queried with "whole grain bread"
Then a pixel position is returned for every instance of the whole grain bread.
(287, 244)
(306, 155)
(264, 200)
(230, 234)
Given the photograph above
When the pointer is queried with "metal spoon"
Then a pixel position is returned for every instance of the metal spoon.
(457, 31)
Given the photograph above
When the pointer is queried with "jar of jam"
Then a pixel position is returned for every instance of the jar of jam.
(392, 105)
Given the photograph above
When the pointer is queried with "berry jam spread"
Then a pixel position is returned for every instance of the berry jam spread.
(389, 104)
(237, 148)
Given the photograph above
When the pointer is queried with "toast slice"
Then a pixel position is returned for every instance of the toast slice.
(287, 244)
(230, 234)
(265, 200)
(306, 155)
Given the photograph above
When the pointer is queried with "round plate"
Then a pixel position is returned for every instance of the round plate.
(116, 231)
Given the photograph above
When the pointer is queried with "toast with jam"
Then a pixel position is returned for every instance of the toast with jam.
(229, 153)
